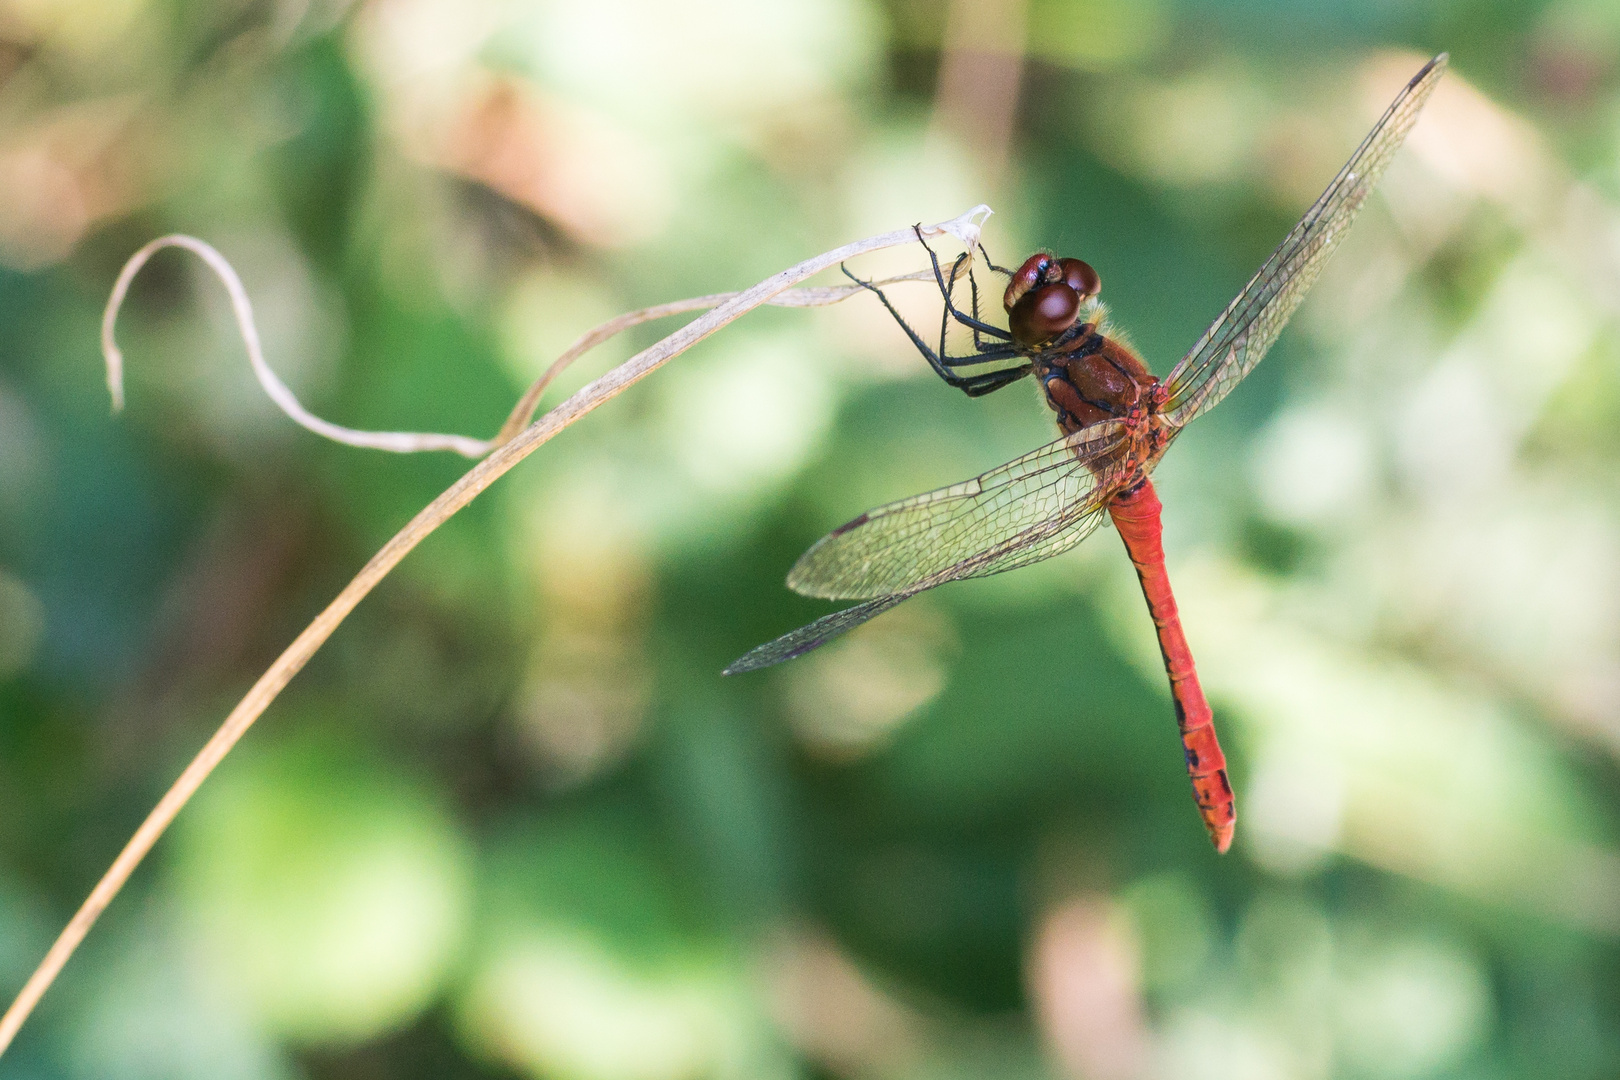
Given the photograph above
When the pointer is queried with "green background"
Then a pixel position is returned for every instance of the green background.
(511, 822)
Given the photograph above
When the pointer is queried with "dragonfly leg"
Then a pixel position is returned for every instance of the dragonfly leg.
(977, 325)
(973, 287)
(972, 385)
(984, 353)
(992, 265)
(991, 381)
(985, 357)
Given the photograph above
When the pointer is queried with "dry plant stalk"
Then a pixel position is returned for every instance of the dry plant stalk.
(516, 441)
(412, 442)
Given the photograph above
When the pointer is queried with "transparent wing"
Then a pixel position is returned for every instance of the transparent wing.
(1027, 510)
(813, 635)
(1240, 337)
(1022, 512)
(1043, 541)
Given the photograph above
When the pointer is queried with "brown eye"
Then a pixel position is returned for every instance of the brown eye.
(1081, 278)
(1031, 274)
(1043, 314)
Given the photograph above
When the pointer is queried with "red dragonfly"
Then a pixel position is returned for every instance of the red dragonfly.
(1117, 420)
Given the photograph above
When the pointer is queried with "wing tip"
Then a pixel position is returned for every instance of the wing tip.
(804, 579)
(764, 656)
(812, 577)
(800, 581)
(750, 661)
(1433, 68)
(812, 636)
(1429, 73)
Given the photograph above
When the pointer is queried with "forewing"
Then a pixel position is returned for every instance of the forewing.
(1240, 337)
(1024, 511)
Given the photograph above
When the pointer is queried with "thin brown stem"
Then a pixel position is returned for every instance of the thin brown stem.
(400, 442)
(403, 442)
(462, 492)
(589, 340)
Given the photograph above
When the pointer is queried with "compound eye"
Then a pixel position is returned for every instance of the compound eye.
(1031, 274)
(1044, 313)
(1080, 277)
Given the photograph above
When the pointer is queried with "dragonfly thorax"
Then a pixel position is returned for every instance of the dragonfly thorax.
(1101, 379)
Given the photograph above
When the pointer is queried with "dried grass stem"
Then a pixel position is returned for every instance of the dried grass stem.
(519, 446)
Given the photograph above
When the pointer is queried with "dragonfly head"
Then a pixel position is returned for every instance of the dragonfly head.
(1043, 298)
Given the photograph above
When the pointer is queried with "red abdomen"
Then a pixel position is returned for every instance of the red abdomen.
(1136, 515)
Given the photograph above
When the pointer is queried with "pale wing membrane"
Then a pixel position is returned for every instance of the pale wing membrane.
(1240, 337)
(1027, 505)
(813, 635)
(1040, 542)
(1027, 510)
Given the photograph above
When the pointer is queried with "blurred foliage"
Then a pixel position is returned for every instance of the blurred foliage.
(512, 823)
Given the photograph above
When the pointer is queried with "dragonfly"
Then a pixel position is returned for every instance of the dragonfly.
(1117, 420)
